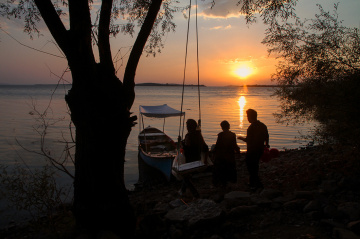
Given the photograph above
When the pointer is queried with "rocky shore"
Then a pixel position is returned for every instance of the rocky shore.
(312, 193)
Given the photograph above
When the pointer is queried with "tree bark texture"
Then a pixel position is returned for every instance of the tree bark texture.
(102, 129)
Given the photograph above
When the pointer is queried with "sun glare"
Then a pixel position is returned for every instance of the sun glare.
(243, 71)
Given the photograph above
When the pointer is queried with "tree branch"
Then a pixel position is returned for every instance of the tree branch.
(80, 28)
(134, 58)
(80, 20)
(53, 22)
(104, 32)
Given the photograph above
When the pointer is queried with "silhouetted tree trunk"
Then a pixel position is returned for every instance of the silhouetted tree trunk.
(100, 110)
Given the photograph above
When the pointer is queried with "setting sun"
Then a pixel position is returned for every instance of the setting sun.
(243, 71)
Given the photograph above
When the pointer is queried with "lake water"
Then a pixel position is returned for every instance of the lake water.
(217, 104)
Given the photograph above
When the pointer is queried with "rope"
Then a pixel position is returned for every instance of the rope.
(197, 58)
(185, 65)
(186, 51)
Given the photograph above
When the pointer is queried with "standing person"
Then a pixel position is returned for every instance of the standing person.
(224, 160)
(257, 135)
(193, 146)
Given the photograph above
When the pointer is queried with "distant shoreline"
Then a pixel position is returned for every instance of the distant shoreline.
(166, 84)
(170, 84)
(147, 84)
(251, 86)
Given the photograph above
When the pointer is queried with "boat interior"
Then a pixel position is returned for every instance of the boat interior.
(157, 143)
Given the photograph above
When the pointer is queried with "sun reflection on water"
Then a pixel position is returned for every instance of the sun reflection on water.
(242, 103)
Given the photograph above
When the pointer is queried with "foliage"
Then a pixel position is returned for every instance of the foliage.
(33, 190)
(319, 74)
(269, 10)
(125, 17)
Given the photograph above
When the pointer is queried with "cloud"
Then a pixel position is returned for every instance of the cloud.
(236, 60)
(221, 27)
(216, 28)
(262, 60)
(221, 9)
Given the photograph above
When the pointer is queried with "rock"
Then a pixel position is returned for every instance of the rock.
(313, 205)
(284, 199)
(217, 197)
(304, 195)
(328, 186)
(238, 195)
(331, 212)
(354, 227)
(242, 211)
(161, 208)
(280, 201)
(152, 224)
(295, 205)
(176, 203)
(276, 205)
(235, 198)
(341, 233)
(331, 223)
(314, 215)
(271, 193)
(196, 213)
(175, 233)
(260, 201)
(350, 209)
(351, 182)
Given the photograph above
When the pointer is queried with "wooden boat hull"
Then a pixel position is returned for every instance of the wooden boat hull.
(163, 164)
(157, 150)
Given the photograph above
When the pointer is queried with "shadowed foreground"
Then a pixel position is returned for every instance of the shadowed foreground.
(312, 193)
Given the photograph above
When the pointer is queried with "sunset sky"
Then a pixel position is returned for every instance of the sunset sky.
(230, 51)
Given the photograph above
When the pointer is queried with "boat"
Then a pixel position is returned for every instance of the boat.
(156, 148)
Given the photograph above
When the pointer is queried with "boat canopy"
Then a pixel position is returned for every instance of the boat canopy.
(159, 111)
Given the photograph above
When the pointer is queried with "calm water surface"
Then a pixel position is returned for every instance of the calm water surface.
(217, 104)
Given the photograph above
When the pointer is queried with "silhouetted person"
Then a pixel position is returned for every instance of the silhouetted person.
(256, 139)
(193, 146)
(224, 156)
